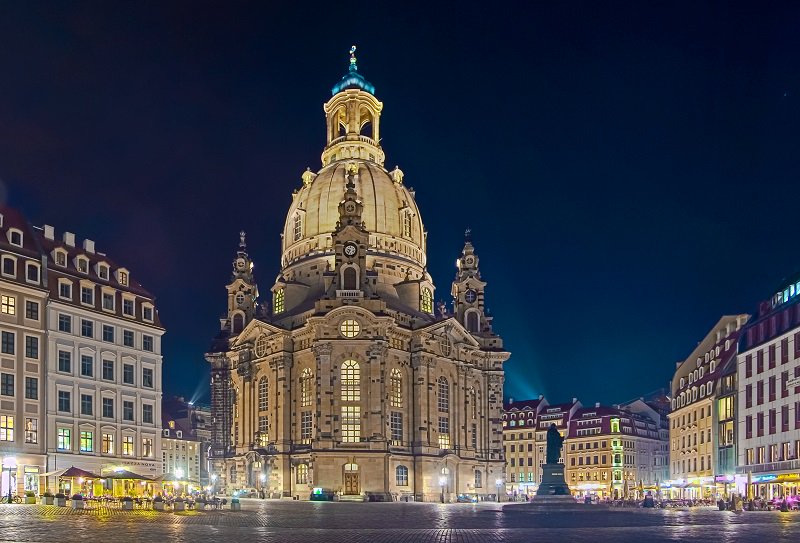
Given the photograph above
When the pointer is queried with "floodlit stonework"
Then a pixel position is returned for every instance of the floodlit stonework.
(353, 383)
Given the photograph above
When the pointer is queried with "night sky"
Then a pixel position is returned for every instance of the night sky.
(629, 170)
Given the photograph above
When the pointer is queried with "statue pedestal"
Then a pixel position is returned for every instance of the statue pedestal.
(553, 483)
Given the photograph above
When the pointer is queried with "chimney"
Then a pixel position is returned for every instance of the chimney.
(69, 239)
(88, 245)
(49, 232)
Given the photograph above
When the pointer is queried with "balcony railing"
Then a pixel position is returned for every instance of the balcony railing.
(784, 465)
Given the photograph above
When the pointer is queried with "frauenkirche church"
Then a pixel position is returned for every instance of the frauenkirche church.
(354, 386)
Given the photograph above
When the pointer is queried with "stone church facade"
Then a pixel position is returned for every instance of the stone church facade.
(351, 383)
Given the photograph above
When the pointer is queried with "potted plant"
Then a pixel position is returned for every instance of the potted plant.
(200, 503)
(158, 503)
(179, 505)
(127, 503)
(77, 502)
(30, 496)
(235, 505)
(47, 498)
(60, 499)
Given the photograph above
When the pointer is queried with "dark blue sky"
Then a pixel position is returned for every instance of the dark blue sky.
(629, 170)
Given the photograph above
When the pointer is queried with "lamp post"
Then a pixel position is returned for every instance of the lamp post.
(442, 482)
(499, 483)
(9, 464)
(213, 484)
(263, 479)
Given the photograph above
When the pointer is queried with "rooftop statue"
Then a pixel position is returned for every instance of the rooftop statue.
(554, 444)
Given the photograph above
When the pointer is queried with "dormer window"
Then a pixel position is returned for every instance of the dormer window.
(32, 272)
(172, 424)
(9, 266)
(166, 432)
(147, 313)
(15, 237)
(178, 434)
(122, 277)
(102, 271)
(60, 257)
(82, 264)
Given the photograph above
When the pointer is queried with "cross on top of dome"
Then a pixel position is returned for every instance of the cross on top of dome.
(352, 79)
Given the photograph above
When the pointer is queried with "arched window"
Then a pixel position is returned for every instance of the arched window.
(238, 323)
(401, 475)
(396, 381)
(305, 387)
(298, 227)
(301, 474)
(444, 395)
(263, 394)
(278, 305)
(478, 479)
(351, 381)
(426, 304)
(472, 322)
(349, 279)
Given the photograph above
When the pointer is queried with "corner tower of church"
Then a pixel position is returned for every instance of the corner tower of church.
(348, 380)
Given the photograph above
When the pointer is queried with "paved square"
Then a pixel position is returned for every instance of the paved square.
(296, 522)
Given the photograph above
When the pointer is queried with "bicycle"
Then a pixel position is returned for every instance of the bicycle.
(12, 499)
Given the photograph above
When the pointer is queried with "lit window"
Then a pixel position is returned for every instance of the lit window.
(6, 428)
(64, 439)
(351, 381)
(147, 447)
(87, 442)
(123, 278)
(31, 430)
(108, 444)
(426, 304)
(127, 445)
(396, 382)
(351, 423)
(278, 302)
(305, 388)
(302, 474)
(444, 432)
(263, 431)
(350, 328)
(8, 305)
(407, 224)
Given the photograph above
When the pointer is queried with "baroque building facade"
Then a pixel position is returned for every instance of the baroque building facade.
(353, 384)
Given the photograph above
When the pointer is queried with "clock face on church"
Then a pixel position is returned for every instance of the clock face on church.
(470, 296)
(350, 208)
(350, 249)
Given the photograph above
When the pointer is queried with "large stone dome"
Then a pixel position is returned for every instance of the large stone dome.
(390, 213)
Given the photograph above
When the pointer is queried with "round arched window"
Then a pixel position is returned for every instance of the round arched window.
(261, 345)
(350, 328)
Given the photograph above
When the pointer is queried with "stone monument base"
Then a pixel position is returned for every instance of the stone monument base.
(553, 483)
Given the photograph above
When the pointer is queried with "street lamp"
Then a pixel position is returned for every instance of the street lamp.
(10, 464)
(442, 482)
(499, 483)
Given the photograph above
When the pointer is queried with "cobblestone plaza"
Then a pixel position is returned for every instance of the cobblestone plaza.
(290, 522)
